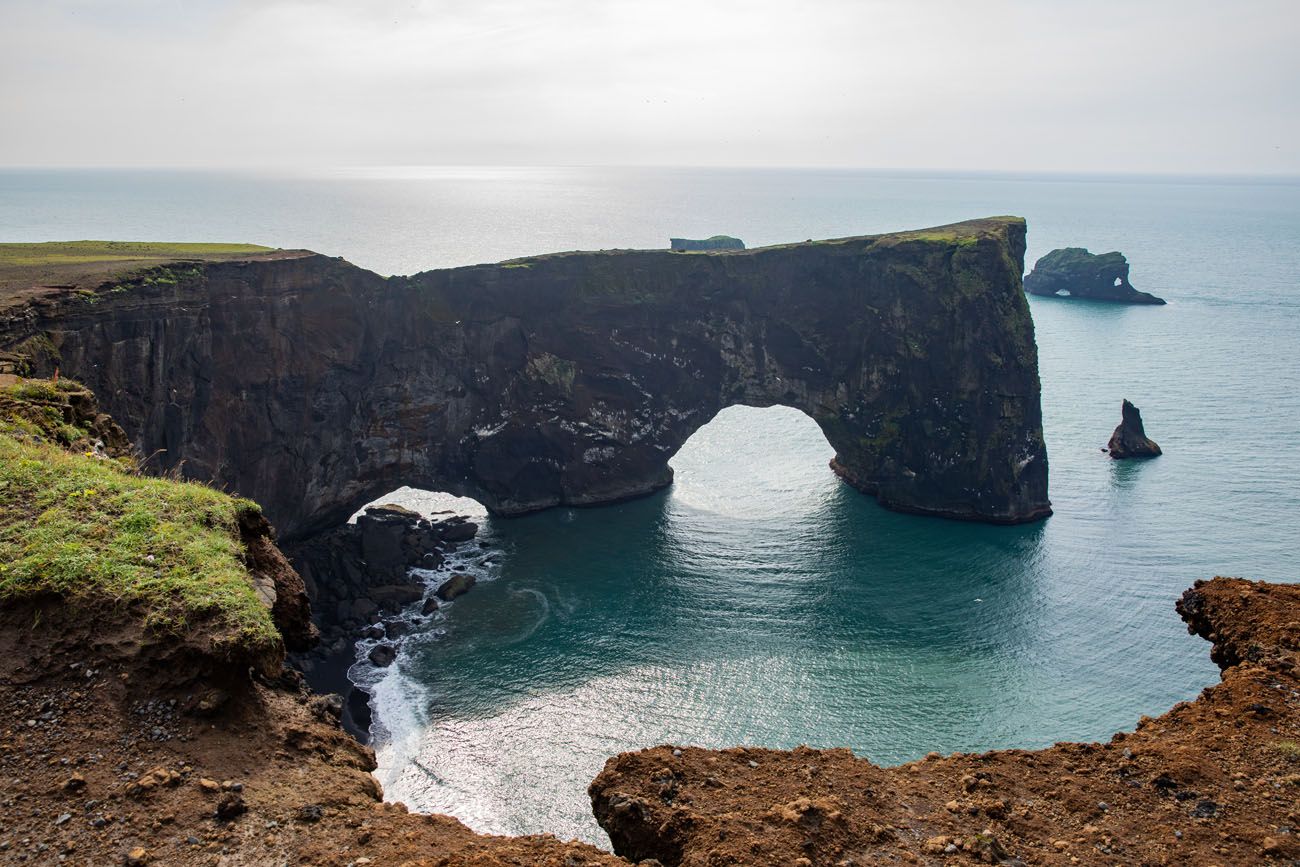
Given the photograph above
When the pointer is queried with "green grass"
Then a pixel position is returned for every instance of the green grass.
(83, 252)
(1290, 750)
(88, 527)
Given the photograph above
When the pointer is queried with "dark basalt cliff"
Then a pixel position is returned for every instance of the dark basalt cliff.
(313, 386)
(1075, 272)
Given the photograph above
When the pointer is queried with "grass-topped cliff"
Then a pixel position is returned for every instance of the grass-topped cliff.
(28, 267)
(80, 522)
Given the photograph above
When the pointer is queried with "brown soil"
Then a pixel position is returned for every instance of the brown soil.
(1214, 781)
(112, 741)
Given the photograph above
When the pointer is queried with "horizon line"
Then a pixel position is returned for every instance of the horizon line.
(393, 169)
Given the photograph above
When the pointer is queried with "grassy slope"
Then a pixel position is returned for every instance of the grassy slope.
(26, 268)
(77, 524)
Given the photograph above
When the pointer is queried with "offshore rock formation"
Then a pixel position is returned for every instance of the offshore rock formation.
(717, 242)
(1213, 781)
(314, 386)
(1075, 272)
(1130, 438)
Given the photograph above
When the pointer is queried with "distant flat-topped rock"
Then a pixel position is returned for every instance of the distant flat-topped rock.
(717, 242)
(1074, 272)
(1130, 438)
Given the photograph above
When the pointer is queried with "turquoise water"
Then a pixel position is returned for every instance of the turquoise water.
(759, 600)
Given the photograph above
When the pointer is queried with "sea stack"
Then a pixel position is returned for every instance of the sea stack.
(1075, 273)
(1130, 439)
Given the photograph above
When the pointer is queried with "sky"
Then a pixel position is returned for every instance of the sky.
(1177, 86)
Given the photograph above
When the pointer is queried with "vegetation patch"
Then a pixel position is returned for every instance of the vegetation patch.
(79, 524)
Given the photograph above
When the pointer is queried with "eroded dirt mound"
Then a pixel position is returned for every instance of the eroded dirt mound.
(121, 747)
(1214, 781)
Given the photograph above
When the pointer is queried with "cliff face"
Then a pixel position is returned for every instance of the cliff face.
(313, 386)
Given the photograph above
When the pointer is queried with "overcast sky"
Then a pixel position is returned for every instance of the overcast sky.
(1038, 85)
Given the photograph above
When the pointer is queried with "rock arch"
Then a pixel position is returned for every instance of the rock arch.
(312, 385)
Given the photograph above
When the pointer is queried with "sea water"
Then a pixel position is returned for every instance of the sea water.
(759, 600)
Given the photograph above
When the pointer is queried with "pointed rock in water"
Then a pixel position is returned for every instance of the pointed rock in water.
(1130, 439)
(1075, 272)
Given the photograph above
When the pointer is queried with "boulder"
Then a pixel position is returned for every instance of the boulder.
(394, 597)
(1130, 438)
(458, 531)
(457, 585)
(1076, 273)
(382, 655)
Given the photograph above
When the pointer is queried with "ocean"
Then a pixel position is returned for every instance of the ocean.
(758, 600)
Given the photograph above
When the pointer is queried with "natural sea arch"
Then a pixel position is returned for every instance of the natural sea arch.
(314, 386)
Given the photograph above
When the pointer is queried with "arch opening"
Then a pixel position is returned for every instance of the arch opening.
(755, 461)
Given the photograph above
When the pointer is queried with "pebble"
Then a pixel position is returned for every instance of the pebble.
(64, 818)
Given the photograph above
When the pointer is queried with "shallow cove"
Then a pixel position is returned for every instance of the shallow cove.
(762, 601)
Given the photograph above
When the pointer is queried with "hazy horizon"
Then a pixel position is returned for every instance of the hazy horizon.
(1007, 86)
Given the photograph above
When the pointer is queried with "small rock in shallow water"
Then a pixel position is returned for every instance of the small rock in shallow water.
(382, 655)
(457, 585)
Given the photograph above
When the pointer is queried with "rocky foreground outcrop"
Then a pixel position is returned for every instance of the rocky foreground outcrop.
(1076, 273)
(1214, 781)
(1130, 438)
(313, 386)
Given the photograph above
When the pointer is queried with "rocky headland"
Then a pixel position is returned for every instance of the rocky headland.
(313, 386)
(1076, 273)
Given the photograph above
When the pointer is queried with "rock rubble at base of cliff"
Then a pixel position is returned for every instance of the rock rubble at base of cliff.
(363, 587)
